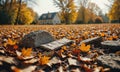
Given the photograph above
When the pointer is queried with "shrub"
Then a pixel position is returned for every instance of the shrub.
(98, 20)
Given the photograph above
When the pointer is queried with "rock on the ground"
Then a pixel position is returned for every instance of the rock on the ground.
(96, 41)
(36, 38)
(111, 61)
(111, 46)
(56, 44)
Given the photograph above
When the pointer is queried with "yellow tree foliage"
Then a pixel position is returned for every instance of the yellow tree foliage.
(80, 17)
(68, 10)
(114, 13)
(13, 15)
(85, 15)
(26, 15)
(84, 48)
(26, 52)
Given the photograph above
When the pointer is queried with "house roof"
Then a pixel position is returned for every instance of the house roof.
(48, 15)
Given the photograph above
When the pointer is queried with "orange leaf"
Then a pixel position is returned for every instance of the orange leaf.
(26, 52)
(15, 69)
(15, 47)
(64, 48)
(110, 38)
(11, 42)
(76, 51)
(115, 37)
(44, 60)
(5, 44)
(84, 48)
(86, 68)
(102, 34)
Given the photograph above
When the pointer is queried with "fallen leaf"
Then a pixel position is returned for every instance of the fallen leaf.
(26, 52)
(44, 60)
(84, 48)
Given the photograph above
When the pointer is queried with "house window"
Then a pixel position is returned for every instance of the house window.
(54, 22)
(49, 15)
(44, 16)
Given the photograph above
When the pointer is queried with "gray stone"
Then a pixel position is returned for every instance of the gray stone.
(36, 38)
(111, 61)
(96, 41)
(56, 44)
(111, 46)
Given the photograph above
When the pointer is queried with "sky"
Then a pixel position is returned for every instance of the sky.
(45, 6)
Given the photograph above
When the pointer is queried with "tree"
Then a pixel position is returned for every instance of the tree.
(109, 5)
(26, 15)
(18, 12)
(88, 11)
(19, 8)
(82, 10)
(36, 19)
(68, 11)
(94, 8)
(114, 13)
(9, 16)
(4, 9)
(98, 20)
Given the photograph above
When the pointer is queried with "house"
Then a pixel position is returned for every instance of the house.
(50, 18)
(105, 18)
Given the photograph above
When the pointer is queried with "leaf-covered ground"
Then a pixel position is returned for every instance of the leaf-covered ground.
(70, 58)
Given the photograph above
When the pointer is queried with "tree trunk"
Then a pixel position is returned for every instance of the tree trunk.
(119, 20)
(11, 3)
(83, 15)
(18, 13)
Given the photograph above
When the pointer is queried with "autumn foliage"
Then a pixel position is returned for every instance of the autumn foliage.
(9, 42)
(81, 55)
(26, 52)
(9, 13)
(84, 48)
(114, 13)
(44, 60)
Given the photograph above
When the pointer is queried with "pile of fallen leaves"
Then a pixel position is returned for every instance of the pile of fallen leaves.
(73, 58)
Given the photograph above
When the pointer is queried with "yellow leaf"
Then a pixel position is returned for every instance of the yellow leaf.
(26, 52)
(115, 37)
(44, 60)
(102, 34)
(110, 38)
(11, 42)
(39, 55)
(5, 44)
(84, 48)
(64, 48)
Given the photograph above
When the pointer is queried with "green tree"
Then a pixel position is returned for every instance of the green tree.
(114, 13)
(68, 11)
